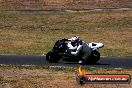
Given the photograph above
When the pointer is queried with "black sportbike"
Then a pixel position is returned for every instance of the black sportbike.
(59, 52)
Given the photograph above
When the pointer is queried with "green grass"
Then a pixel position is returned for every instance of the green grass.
(35, 34)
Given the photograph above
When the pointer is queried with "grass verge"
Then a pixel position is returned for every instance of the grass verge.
(36, 33)
(15, 76)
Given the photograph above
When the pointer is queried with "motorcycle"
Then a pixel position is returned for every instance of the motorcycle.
(59, 49)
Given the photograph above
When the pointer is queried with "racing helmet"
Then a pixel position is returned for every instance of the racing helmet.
(74, 39)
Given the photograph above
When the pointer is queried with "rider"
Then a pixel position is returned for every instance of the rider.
(76, 45)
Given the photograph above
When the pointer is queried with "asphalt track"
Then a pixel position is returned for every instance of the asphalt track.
(65, 10)
(104, 62)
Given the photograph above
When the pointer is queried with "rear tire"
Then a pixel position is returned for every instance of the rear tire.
(94, 57)
(52, 57)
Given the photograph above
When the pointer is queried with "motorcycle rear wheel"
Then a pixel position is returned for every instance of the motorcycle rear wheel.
(94, 57)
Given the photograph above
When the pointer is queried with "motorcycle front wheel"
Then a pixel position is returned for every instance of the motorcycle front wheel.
(52, 57)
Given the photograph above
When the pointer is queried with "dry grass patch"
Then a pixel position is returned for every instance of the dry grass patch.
(36, 33)
(15, 77)
(62, 4)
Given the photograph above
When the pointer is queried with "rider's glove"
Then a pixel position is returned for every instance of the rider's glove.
(64, 39)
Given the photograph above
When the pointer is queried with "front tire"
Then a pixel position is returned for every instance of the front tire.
(94, 57)
(52, 57)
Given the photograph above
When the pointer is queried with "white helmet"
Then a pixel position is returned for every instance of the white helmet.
(74, 39)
